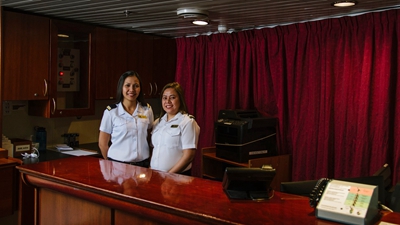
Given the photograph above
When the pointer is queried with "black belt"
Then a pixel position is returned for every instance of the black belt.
(144, 163)
(187, 172)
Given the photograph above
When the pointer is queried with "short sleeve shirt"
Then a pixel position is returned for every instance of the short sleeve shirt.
(128, 132)
(171, 138)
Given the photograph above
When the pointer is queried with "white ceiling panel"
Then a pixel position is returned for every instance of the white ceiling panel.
(160, 17)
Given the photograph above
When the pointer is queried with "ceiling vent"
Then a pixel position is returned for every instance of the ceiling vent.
(192, 13)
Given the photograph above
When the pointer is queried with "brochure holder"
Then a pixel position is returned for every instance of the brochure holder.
(348, 202)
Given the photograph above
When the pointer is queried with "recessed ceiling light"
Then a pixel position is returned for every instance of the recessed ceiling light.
(63, 35)
(344, 3)
(200, 22)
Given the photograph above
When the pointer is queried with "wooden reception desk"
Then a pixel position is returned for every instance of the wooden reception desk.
(89, 190)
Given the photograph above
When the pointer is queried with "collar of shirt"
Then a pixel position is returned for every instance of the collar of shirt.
(138, 110)
(176, 117)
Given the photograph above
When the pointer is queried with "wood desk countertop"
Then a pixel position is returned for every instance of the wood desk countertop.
(165, 197)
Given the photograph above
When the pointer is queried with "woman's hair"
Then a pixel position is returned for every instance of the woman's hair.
(120, 86)
(177, 87)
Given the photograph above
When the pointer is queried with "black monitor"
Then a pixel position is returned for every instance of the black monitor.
(248, 183)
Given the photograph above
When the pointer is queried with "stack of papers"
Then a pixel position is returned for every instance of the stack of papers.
(80, 152)
(63, 147)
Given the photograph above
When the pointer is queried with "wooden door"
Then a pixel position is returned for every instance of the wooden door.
(26, 54)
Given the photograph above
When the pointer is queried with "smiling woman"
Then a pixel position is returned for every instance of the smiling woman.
(126, 124)
(175, 133)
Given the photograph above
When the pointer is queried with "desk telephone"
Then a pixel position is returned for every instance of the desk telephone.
(345, 202)
(318, 190)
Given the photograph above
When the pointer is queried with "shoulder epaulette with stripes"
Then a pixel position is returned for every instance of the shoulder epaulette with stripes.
(112, 106)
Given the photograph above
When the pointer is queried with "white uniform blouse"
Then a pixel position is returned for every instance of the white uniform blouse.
(128, 132)
(171, 138)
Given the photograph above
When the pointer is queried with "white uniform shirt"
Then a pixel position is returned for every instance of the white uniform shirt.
(171, 138)
(128, 132)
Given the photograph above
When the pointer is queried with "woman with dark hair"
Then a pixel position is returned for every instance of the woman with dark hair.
(127, 124)
(175, 133)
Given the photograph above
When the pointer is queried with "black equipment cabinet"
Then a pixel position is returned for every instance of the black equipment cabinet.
(241, 135)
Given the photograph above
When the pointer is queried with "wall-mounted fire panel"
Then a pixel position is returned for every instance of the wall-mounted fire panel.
(68, 70)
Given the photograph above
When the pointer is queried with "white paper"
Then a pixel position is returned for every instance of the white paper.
(80, 152)
(63, 147)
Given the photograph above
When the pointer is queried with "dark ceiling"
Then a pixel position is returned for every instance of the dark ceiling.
(160, 16)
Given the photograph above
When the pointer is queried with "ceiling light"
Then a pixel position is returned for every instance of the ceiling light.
(344, 3)
(222, 28)
(200, 22)
(196, 16)
(63, 35)
(192, 13)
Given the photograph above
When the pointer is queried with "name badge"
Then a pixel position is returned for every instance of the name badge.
(142, 116)
(174, 126)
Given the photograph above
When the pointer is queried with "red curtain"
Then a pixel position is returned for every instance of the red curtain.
(333, 85)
